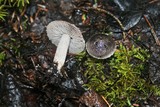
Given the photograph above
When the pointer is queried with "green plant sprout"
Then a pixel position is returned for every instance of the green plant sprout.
(3, 12)
(2, 57)
(122, 83)
(12, 3)
(6, 4)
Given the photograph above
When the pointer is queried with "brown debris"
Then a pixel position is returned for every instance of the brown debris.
(92, 99)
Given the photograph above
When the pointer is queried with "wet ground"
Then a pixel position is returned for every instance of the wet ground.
(28, 75)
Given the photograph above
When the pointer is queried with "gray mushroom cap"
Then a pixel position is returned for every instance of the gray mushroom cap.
(56, 29)
(100, 46)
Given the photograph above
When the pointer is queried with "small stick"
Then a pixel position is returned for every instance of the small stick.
(153, 1)
(112, 15)
(106, 101)
(152, 30)
(33, 63)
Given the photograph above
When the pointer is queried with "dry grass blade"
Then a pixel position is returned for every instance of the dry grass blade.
(152, 31)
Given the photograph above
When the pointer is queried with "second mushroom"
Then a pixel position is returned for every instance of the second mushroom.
(100, 46)
(67, 37)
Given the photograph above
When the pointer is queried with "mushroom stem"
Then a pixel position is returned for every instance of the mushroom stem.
(61, 51)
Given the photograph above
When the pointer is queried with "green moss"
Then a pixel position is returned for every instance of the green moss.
(122, 81)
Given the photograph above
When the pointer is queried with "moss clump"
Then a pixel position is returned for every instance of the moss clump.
(119, 78)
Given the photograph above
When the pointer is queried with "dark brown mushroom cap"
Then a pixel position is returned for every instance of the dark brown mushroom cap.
(56, 29)
(100, 46)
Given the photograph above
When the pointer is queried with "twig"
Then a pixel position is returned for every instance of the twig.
(106, 101)
(153, 1)
(110, 14)
(33, 63)
(152, 30)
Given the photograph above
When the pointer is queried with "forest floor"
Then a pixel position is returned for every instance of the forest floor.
(29, 77)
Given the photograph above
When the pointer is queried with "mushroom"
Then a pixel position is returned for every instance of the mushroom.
(67, 37)
(100, 46)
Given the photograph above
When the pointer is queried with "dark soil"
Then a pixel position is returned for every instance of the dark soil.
(28, 75)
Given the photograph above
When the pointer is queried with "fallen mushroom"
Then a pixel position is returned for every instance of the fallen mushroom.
(100, 46)
(66, 37)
